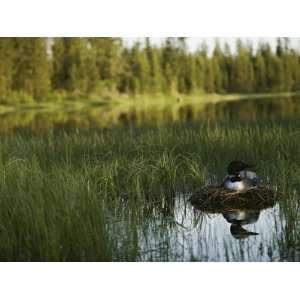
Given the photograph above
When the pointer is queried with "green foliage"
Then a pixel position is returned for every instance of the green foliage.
(74, 65)
(89, 194)
(31, 67)
(81, 67)
(155, 76)
(243, 73)
(107, 53)
(6, 66)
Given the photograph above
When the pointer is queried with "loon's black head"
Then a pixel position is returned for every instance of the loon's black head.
(237, 166)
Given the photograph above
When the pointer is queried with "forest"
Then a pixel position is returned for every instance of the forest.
(48, 69)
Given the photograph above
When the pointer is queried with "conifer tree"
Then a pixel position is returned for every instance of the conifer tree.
(227, 69)
(217, 63)
(31, 67)
(90, 69)
(108, 60)
(243, 71)
(135, 76)
(260, 72)
(295, 70)
(6, 67)
(143, 71)
(155, 80)
(82, 66)
(185, 76)
(169, 65)
(200, 58)
(74, 65)
(274, 69)
(125, 78)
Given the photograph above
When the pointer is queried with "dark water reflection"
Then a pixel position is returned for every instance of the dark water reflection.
(269, 108)
(238, 219)
(196, 236)
(109, 116)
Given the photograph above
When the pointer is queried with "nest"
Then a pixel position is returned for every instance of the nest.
(219, 199)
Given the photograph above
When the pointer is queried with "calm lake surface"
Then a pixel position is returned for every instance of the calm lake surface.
(196, 236)
(175, 230)
(106, 116)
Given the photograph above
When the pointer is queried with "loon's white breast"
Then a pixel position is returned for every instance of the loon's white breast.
(236, 185)
(248, 179)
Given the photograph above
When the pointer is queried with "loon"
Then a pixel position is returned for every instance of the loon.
(239, 178)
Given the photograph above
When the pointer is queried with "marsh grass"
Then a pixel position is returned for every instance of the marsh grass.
(86, 195)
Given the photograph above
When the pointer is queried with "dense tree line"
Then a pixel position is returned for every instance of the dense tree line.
(34, 68)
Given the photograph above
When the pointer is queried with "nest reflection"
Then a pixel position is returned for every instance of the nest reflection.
(239, 218)
(237, 208)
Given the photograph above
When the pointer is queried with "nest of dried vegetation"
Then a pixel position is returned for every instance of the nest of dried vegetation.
(219, 199)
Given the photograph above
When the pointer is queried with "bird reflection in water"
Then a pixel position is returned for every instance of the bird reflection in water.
(240, 218)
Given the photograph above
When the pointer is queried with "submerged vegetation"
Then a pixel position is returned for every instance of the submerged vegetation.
(57, 69)
(104, 194)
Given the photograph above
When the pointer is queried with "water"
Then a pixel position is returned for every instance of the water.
(173, 230)
(196, 236)
(104, 116)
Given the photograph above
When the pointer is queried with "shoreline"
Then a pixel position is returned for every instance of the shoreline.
(137, 100)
